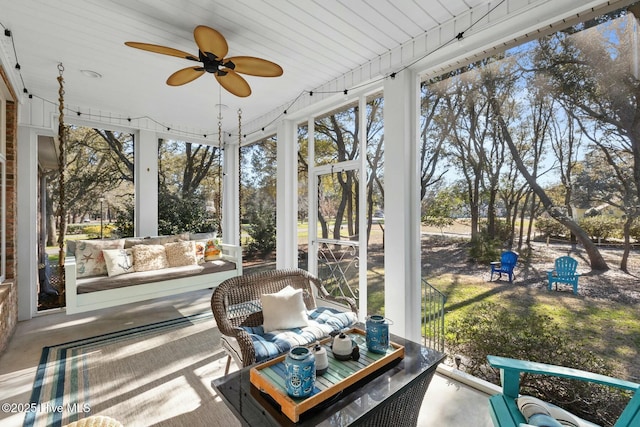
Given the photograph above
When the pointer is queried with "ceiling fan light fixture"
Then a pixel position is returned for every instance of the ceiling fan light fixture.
(91, 74)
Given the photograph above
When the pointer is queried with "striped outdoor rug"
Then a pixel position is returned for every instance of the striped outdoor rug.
(158, 374)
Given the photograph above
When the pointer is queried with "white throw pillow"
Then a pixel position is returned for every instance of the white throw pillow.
(119, 261)
(284, 310)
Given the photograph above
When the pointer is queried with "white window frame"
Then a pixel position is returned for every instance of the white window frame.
(358, 165)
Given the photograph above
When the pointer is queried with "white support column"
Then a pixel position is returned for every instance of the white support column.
(312, 196)
(231, 194)
(362, 207)
(27, 212)
(146, 182)
(402, 204)
(287, 196)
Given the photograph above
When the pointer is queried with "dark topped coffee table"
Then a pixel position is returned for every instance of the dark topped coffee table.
(390, 396)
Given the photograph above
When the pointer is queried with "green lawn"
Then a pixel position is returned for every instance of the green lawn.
(609, 329)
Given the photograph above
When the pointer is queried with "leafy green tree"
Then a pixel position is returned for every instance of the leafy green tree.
(597, 261)
(590, 71)
(634, 232)
(125, 220)
(435, 125)
(337, 140)
(470, 130)
(262, 230)
(549, 227)
(342, 130)
(439, 209)
(178, 214)
(258, 195)
(189, 187)
(536, 129)
(601, 226)
(375, 158)
(99, 164)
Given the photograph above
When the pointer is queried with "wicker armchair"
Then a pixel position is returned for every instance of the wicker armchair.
(236, 302)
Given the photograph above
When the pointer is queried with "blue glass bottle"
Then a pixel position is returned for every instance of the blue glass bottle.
(300, 366)
(377, 334)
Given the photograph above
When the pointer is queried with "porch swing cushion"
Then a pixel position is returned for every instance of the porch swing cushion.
(88, 285)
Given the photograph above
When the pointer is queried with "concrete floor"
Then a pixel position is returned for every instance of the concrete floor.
(448, 403)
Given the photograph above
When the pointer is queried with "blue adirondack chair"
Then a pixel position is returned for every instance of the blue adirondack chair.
(564, 272)
(506, 265)
(504, 409)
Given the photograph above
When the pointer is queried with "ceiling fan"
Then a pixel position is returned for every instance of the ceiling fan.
(212, 48)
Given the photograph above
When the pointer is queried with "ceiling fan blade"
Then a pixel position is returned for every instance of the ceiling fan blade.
(234, 83)
(255, 66)
(185, 75)
(162, 49)
(209, 40)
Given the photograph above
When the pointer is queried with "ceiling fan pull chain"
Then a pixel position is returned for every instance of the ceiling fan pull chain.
(239, 127)
(218, 200)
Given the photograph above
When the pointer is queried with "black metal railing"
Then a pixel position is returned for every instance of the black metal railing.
(433, 316)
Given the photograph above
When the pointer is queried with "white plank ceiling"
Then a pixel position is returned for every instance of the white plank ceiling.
(315, 42)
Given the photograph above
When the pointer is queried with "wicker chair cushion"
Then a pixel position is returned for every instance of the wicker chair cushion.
(322, 321)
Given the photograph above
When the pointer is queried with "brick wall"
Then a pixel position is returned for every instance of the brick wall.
(8, 313)
(8, 291)
(11, 165)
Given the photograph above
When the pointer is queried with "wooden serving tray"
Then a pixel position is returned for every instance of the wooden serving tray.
(269, 377)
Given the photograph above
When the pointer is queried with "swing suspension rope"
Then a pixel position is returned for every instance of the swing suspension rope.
(61, 212)
(219, 195)
(239, 151)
